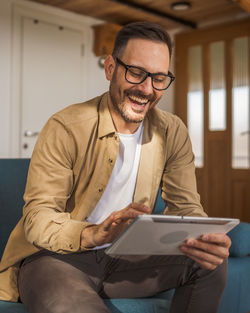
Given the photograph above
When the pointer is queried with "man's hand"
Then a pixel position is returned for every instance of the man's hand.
(112, 226)
(209, 250)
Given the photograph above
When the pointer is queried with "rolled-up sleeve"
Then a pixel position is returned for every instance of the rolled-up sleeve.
(50, 182)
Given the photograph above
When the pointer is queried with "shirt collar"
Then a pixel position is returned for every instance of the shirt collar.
(106, 125)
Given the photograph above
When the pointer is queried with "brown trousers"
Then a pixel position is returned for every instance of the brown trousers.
(76, 283)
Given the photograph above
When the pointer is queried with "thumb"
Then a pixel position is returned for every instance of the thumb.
(106, 224)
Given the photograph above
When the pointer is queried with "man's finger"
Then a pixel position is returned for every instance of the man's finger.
(211, 248)
(125, 215)
(122, 216)
(140, 207)
(219, 238)
(203, 263)
(202, 255)
(106, 224)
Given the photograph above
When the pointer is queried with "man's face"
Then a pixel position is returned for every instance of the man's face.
(130, 101)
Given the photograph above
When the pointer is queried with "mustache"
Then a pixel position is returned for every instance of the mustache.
(137, 93)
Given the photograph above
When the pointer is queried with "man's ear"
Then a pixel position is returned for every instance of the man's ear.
(109, 66)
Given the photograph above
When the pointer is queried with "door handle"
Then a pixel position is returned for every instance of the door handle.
(29, 133)
(247, 132)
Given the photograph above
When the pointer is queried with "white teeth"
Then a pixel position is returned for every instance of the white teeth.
(140, 100)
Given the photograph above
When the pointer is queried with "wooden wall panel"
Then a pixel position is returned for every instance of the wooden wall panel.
(217, 179)
(224, 191)
(240, 198)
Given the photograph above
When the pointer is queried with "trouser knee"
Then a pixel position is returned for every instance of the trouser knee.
(221, 274)
(217, 277)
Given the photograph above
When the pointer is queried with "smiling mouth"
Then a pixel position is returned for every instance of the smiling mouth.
(138, 100)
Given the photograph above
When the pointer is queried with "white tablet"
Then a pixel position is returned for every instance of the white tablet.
(163, 235)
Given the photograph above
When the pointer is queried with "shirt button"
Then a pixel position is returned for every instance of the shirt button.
(110, 161)
(70, 246)
(100, 189)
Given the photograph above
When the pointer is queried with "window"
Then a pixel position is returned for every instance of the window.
(217, 92)
(240, 105)
(195, 103)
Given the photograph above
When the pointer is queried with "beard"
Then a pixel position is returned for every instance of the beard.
(119, 101)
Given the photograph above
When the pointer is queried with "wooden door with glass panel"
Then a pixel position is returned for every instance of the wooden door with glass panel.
(212, 97)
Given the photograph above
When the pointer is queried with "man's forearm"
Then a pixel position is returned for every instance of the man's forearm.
(55, 231)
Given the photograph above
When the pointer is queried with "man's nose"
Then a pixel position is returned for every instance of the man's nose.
(146, 86)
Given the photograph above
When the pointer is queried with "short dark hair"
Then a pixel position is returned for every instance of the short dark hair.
(140, 30)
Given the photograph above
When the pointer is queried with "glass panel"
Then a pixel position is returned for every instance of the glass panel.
(195, 110)
(240, 104)
(217, 92)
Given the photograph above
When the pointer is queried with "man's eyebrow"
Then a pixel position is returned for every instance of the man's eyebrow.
(161, 73)
(142, 68)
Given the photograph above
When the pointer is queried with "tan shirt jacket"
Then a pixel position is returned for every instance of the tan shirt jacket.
(70, 168)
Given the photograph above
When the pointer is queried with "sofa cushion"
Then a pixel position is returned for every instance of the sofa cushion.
(13, 173)
(11, 307)
(240, 237)
(147, 305)
(159, 204)
(235, 298)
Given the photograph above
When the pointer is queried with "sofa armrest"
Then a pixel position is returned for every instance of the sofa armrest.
(240, 237)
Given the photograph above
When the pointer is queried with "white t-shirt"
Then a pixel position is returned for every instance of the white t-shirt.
(120, 189)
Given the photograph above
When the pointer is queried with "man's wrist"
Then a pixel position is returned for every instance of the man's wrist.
(87, 240)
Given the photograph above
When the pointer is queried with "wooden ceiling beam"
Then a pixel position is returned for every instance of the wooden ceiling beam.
(156, 13)
(244, 4)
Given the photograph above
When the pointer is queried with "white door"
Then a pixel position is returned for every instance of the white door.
(52, 76)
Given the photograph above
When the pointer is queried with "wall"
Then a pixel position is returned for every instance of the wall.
(5, 64)
(96, 84)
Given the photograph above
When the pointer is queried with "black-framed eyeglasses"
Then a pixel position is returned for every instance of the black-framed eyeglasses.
(137, 75)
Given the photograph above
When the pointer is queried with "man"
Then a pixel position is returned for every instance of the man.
(96, 166)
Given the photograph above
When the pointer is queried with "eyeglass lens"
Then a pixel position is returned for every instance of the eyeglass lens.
(135, 75)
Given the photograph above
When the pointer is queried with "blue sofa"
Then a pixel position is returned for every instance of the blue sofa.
(13, 173)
